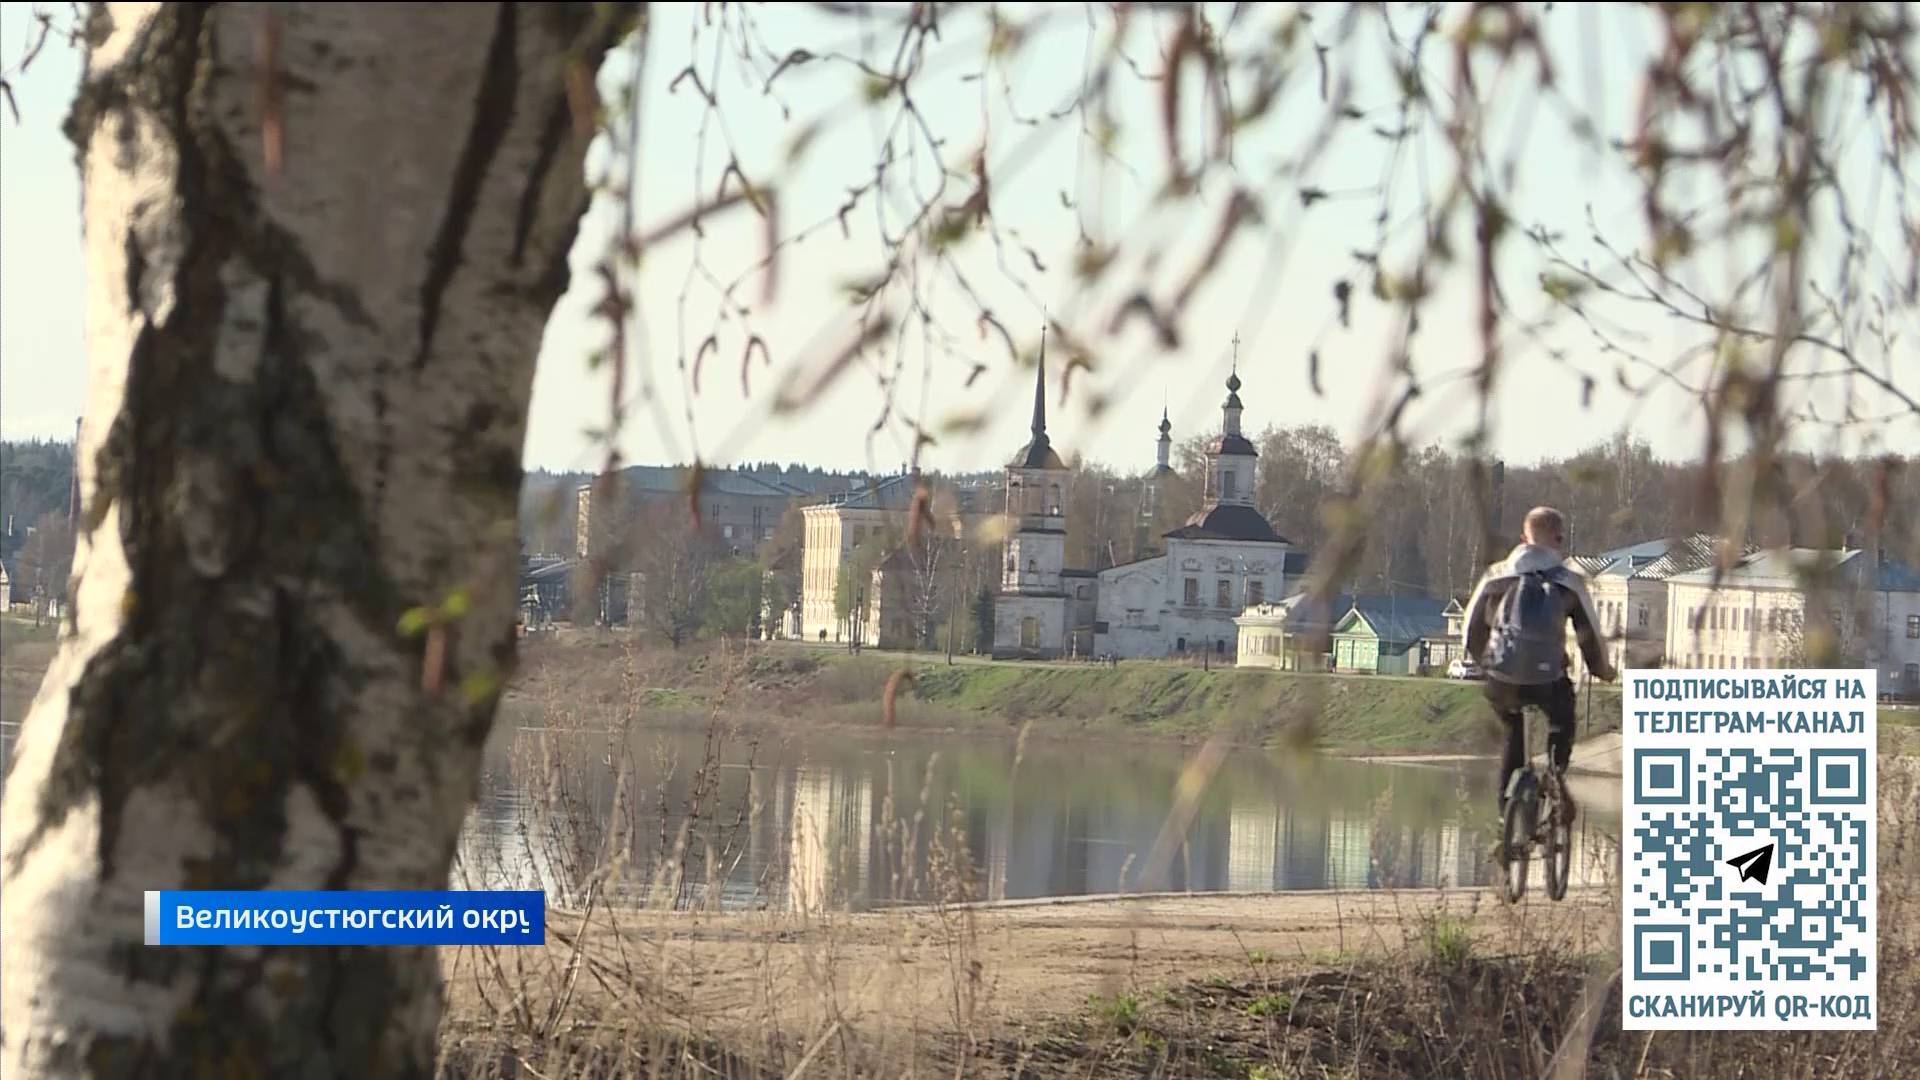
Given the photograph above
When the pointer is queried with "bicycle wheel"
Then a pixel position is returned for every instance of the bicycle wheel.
(1516, 840)
(1558, 843)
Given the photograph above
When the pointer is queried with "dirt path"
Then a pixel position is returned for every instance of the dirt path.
(905, 973)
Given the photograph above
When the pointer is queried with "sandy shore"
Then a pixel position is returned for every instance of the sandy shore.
(974, 967)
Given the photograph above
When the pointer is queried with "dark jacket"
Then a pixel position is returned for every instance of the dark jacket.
(1570, 589)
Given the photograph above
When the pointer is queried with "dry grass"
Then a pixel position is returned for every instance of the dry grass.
(1390, 984)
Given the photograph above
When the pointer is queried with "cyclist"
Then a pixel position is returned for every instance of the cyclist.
(1515, 629)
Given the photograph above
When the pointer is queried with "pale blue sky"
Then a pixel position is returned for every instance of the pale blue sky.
(1280, 315)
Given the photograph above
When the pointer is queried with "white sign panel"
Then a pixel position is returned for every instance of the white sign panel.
(1747, 850)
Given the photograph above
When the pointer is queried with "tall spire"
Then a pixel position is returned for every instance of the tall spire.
(1162, 449)
(1040, 387)
(1038, 453)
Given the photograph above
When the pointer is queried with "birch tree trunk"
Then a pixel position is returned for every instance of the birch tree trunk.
(307, 398)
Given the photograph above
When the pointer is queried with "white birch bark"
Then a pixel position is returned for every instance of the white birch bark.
(307, 399)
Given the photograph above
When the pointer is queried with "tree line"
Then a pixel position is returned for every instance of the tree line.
(1419, 524)
(1421, 534)
(36, 539)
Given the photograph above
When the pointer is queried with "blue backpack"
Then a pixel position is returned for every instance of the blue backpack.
(1528, 643)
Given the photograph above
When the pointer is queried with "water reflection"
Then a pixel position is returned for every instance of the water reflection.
(832, 823)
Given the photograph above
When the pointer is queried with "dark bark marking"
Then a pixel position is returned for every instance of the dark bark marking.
(552, 134)
(492, 115)
(552, 283)
(136, 271)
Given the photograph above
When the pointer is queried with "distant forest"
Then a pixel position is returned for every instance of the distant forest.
(1421, 532)
(33, 480)
(35, 545)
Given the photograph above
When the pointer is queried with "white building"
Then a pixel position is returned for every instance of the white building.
(1291, 634)
(1629, 590)
(1031, 612)
(1756, 614)
(1225, 559)
(1263, 635)
(833, 529)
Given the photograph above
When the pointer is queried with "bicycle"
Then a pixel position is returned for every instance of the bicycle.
(1538, 814)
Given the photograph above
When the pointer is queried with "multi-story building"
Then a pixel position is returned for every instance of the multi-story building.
(833, 529)
(1755, 613)
(737, 509)
(1629, 590)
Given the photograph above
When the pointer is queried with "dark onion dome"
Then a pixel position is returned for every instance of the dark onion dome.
(1233, 391)
(1228, 521)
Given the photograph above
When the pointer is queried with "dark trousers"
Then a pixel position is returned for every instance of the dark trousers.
(1555, 699)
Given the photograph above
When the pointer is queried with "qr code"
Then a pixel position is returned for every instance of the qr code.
(1796, 907)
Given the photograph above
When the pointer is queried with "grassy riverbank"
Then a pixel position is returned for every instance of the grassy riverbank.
(599, 679)
(1148, 700)
(25, 652)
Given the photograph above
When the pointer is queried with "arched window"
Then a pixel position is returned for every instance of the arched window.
(1033, 566)
(1053, 500)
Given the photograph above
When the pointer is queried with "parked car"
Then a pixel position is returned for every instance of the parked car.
(1463, 668)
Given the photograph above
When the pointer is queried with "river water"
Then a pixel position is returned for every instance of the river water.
(831, 821)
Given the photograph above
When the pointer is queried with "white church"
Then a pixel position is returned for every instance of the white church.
(1180, 600)
(1225, 559)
